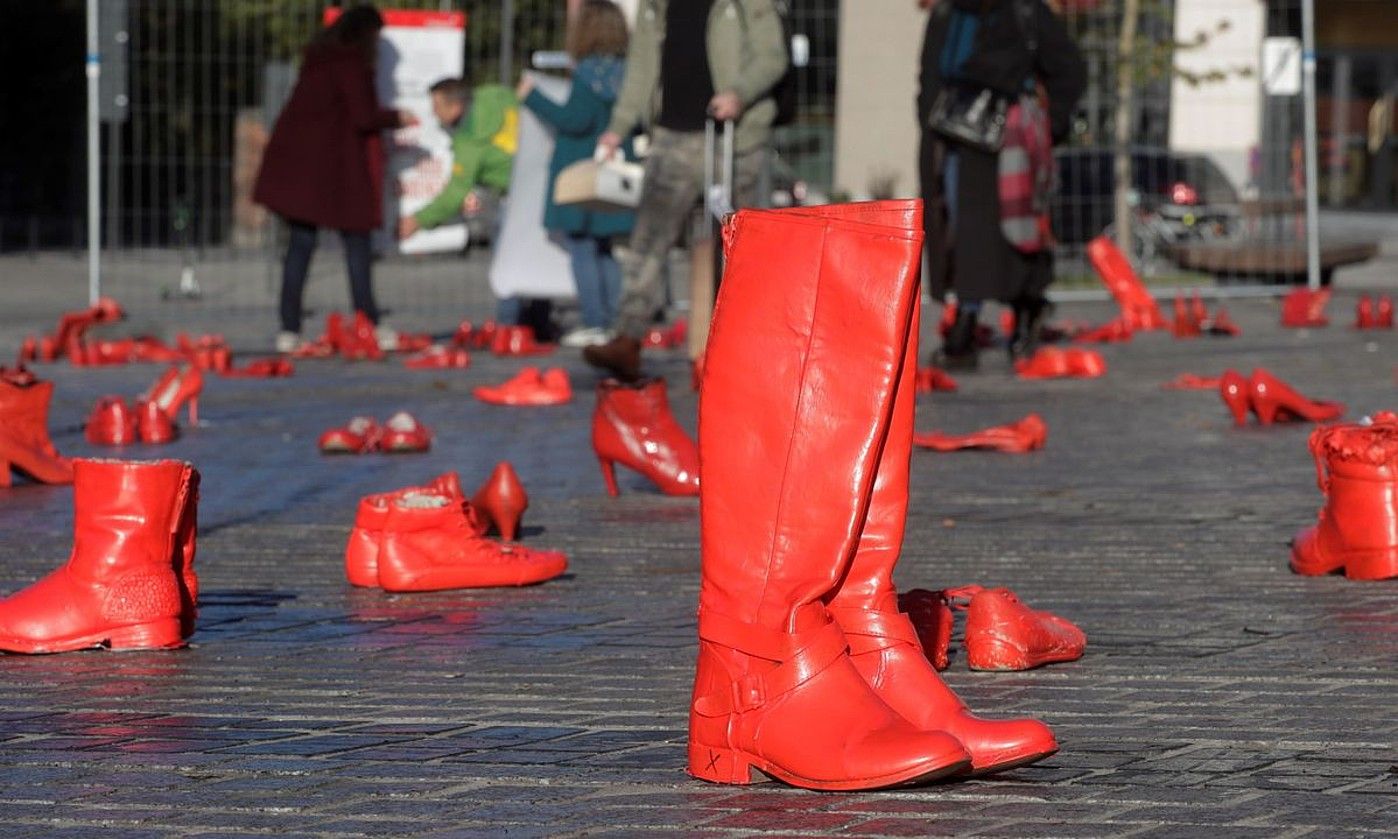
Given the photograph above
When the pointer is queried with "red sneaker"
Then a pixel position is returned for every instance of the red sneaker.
(529, 387)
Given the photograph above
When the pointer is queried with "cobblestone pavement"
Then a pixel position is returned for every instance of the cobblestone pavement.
(1221, 695)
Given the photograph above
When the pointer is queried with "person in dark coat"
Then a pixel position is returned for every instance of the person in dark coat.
(323, 165)
(984, 43)
(597, 42)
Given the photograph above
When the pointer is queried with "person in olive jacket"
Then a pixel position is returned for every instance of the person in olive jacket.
(597, 42)
(323, 165)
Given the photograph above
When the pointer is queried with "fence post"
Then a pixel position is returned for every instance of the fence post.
(507, 42)
(93, 62)
(1312, 179)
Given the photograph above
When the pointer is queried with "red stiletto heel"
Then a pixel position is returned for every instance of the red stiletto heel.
(503, 500)
(609, 476)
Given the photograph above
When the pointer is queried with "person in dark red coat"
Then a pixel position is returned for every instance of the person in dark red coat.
(323, 163)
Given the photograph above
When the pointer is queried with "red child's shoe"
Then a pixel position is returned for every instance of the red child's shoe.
(359, 435)
(1025, 435)
(529, 387)
(403, 434)
(1004, 634)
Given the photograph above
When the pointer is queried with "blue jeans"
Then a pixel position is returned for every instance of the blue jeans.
(598, 278)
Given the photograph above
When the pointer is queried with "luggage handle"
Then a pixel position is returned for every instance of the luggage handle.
(718, 179)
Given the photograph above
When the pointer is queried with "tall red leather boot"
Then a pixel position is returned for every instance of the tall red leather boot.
(788, 461)
(120, 587)
(24, 432)
(1357, 469)
(502, 500)
(632, 425)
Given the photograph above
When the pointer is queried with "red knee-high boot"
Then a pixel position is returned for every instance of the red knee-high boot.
(807, 338)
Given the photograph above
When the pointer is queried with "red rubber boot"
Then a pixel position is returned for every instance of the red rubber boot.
(788, 461)
(1357, 469)
(632, 425)
(24, 433)
(119, 587)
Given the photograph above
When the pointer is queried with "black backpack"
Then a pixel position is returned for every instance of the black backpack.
(784, 91)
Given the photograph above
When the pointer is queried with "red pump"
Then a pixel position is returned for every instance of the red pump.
(632, 425)
(501, 500)
(1357, 532)
(1271, 399)
(174, 389)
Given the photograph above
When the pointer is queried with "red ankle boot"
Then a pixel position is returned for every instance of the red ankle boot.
(633, 425)
(1357, 470)
(789, 462)
(362, 550)
(429, 544)
(1275, 400)
(501, 500)
(123, 585)
(1025, 435)
(24, 434)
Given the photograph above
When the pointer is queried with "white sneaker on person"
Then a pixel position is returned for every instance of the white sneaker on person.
(288, 341)
(587, 336)
(387, 337)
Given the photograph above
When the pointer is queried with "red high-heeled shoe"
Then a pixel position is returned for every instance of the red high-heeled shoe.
(1223, 325)
(1383, 312)
(1055, 363)
(1274, 400)
(1185, 324)
(153, 424)
(529, 387)
(1364, 313)
(403, 434)
(933, 379)
(1236, 395)
(501, 500)
(176, 387)
(1024, 435)
(633, 425)
(359, 435)
(111, 423)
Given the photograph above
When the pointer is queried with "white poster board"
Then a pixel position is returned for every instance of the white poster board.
(527, 261)
(416, 49)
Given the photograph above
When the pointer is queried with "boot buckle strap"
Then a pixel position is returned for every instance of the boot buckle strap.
(749, 692)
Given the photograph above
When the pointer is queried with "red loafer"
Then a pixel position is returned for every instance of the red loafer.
(403, 434)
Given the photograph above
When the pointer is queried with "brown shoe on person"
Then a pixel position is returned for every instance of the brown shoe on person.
(621, 356)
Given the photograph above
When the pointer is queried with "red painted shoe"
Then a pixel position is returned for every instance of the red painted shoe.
(360, 342)
(1112, 332)
(1364, 314)
(1138, 308)
(1055, 363)
(517, 340)
(1357, 470)
(1185, 325)
(121, 586)
(362, 549)
(111, 423)
(529, 387)
(403, 434)
(439, 358)
(1194, 381)
(24, 435)
(1223, 325)
(176, 388)
(261, 368)
(501, 500)
(1025, 435)
(358, 436)
(154, 425)
(1236, 395)
(430, 545)
(1303, 308)
(1276, 401)
(633, 425)
(1383, 312)
(1004, 634)
(933, 379)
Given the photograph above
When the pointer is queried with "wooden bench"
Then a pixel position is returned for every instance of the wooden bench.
(1270, 261)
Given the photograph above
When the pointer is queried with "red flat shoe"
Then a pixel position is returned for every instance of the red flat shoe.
(1357, 531)
(261, 368)
(501, 500)
(175, 388)
(1383, 312)
(1223, 325)
(933, 379)
(1112, 332)
(439, 358)
(153, 425)
(1236, 395)
(362, 549)
(111, 423)
(428, 544)
(1004, 634)
(529, 387)
(1193, 381)
(1054, 363)
(633, 425)
(1303, 308)
(1025, 435)
(358, 436)
(517, 340)
(1275, 401)
(403, 434)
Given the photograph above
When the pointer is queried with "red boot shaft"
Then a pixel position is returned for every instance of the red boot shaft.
(1357, 469)
(120, 586)
(633, 425)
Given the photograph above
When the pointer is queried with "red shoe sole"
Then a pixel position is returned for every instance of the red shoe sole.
(162, 634)
(731, 766)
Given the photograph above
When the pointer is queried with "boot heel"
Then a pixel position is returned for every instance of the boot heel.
(157, 634)
(609, 476)
(721, 765)
(1373, 565)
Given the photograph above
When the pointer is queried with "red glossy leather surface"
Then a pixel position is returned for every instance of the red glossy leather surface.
(430, 548)
(1303, 308)
(1056, 363)
(362, 549)
(1233, 389)
(1138, 307)
(176, 387)
(112, 422)
(825, 304)
(529, 387)
(153, 425)
(501, 500)
(1357, 530)
(359, 435)
(24, 433)
(122, 585)
(1023, 435)
(632, 425)
(403, 434)
(1274, 400)
(359, 342)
